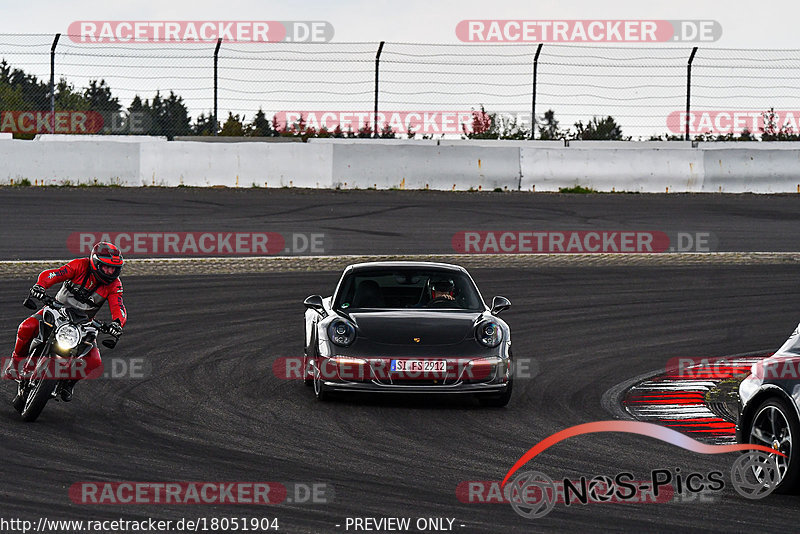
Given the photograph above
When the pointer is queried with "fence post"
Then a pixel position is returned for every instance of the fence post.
(216, 58)
(533, 92)
(53, 83)
(377, 69)
(689, 88)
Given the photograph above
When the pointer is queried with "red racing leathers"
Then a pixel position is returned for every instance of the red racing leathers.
(82, 290)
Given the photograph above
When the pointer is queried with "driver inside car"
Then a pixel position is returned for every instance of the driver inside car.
(87, 284)
(442, 290)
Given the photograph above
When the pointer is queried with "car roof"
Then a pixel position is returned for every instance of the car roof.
(403, 264)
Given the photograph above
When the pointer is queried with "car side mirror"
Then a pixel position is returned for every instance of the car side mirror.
(500, 304)
(314, 302)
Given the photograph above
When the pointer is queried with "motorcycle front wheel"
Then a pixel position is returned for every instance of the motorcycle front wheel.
(41, 392)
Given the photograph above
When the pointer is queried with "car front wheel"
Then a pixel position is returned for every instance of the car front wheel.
(320, 389)
(775, 425)
(498, 401)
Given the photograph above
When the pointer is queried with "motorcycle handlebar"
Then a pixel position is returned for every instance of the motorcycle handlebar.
(52, 302)
(47, 299)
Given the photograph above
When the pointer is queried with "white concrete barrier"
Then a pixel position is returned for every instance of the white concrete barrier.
(109, 138)
(513, 143)
(370, 141)
(749, 145)
(745, 170)
(425, 167)
(628, 145)
(382, 164)
(77, 162)
(644, 170)
(236, 164)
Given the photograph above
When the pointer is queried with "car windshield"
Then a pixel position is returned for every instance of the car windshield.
(407, 288)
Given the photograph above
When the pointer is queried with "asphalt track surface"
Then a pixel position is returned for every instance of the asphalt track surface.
(35, 222)
(212, 410)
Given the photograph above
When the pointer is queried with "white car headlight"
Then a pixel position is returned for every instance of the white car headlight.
(341, 333)
(488, 334)
(68, 337)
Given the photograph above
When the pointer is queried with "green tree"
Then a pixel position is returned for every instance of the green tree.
(99, 99)
(666, 137)
(170, 116)
(233, 127)
(68, 99)
(772, 131)
(11, 97)
(261, 126)
(492, 126)
(203, 125)
(549, 129)
(140, 117)
(98, 96)
(35, 94)
(598, 129)
(387, 132)
(364, 132)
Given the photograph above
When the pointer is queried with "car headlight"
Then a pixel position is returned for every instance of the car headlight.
(341, 333)
(489, 334)
(68, 337)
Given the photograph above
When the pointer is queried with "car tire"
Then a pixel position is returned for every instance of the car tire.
(308, 378)
(498, 401)
(320, 389)
(786, 417)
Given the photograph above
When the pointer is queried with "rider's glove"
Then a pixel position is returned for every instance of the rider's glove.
(38, 292)
(114, 329)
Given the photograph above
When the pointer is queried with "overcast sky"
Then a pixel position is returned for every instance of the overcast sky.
(745, 23)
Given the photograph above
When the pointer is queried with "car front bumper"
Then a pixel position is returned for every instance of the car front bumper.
(463, 375)
(453, 389)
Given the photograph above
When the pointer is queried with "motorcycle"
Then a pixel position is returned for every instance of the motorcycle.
(66, 336)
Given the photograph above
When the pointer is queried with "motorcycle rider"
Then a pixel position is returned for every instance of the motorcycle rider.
(87, 284)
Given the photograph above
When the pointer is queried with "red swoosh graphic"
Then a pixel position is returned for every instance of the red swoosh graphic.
(633, 427)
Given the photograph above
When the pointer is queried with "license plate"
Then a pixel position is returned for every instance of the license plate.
(419, 366)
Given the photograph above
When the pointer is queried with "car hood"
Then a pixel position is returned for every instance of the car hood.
(417, 328)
